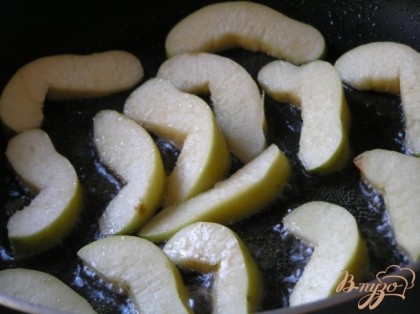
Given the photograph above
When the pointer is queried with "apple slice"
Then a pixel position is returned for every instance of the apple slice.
(316, 88)
(247, 25)
(235, 96)
(152, 281)
(55, 210)
(64, 76)
(42, 289)
(387, 67)
(338, 246)
(242, 194)
(395, 175)
(128, 150)
(210, 247)
(189, 122)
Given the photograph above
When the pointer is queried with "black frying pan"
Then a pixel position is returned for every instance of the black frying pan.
(33, 29)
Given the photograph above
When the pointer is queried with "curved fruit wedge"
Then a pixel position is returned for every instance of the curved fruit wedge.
(317, 89)
(137, 265)
(188, 121)
(54, 211)
(395, 175)
(240, 195)
(387, 67)
(42, 289)
(64, 76)
(338, 246)
(210, 247)
(235, 96)
(128, 150)
(247, 25)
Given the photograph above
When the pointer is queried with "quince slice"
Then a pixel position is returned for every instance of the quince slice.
(210, 247)
(242, 194)
(62, 77)
(338, 246)
(128, 150)
(189, 122)
(152, 281)
(392, 68)
(43, 290)
(235, 96)
(55, 209)
(316, 88)
(248, 25)
(395, 175)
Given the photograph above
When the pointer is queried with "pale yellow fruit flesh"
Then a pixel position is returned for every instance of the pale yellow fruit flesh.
(128, 150)
(395, 175)
(54, 211)
(242, 194)
(392, 68)
(61, 77)
(42, 289)
(338, 246)
(248, 25)
(189, 122)
(317, 90)
(152, 281)
(210, 247)
(236, 99)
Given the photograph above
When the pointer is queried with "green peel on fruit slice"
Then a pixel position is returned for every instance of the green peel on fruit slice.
(391, 68)
(42, 289)
(338, 247)
(64, 77)
(151, 280)
(213, 248)
(188, 122)
(248, 25)
(54, 211)
(316, 89)
(244, 193)
(128, 150)
(395, 175)
(235, 97)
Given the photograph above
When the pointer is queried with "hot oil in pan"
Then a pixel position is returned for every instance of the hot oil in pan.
(376, 123)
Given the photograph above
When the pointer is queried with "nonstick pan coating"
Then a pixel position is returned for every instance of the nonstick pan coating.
(33, 29)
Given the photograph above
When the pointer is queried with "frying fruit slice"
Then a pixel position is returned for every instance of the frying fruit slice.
(42, 289)
(189, 122)
(54, 211)
(235, 96)
(338, 246)
(316, 88)
(392, 68)
(395, 175)
(152, 281)
(210, 247)
(128, 150)
(242, 194)
(61, 77)
(247, 25)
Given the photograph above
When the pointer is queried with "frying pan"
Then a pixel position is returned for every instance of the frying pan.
(32, 29)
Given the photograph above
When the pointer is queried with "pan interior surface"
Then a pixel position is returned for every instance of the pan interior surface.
(30, 29)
